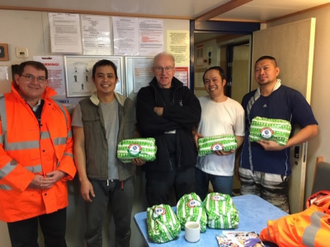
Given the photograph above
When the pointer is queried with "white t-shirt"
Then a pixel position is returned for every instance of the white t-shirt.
(220, 118)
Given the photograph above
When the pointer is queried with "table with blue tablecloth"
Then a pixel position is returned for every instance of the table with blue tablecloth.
(254, 212)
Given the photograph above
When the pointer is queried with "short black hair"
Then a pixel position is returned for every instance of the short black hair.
(267, 57)
(104, 62)
(218, 68)
(34, 64)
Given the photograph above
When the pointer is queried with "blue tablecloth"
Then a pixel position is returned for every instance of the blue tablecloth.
(254, 212)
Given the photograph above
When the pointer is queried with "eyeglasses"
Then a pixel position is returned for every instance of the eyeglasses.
(161, 69)
(31, 78)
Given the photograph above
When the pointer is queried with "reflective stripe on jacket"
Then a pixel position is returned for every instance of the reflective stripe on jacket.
(310, 227)
(27, 149)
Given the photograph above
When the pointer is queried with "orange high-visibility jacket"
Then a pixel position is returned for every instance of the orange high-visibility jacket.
(26, 149)
(310, 227)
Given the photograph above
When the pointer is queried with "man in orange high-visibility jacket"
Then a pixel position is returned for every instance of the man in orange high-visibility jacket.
(36, 159)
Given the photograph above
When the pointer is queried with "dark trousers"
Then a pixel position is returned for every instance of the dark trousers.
(160, 185)
(121, 199)
(24, 233)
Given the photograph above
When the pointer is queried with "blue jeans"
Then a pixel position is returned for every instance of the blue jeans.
(221, 184)
(121, 203)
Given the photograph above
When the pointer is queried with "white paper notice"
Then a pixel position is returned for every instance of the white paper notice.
(65, 34)
(142, 73)
(54, 65)
(178, 46)
(96, 34)
(4, 73)
(151, 37)
(5, 84)
(199, 80)
(125, 32)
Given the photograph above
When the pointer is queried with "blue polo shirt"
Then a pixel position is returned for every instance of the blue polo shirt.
(283, 103)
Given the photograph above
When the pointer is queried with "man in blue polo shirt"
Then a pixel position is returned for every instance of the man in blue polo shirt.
(265, 165)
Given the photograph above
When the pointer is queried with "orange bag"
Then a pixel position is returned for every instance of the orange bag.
(310, 227)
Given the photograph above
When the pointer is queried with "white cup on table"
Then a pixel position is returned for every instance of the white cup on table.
(192, 231)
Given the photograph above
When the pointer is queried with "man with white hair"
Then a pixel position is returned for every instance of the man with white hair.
(168, 111)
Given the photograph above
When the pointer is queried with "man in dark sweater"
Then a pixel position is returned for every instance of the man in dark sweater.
(168, 111)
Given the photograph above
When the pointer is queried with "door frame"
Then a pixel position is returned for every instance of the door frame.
(227, 27)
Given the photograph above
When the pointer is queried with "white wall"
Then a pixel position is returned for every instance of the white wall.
(318, 146)
(31, 29)
(22, 28)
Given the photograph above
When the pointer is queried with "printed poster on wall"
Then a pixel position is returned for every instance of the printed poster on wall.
(178, 46)
(78, 74)
(65, 36)
(151, 36)
(137, 36)
(142, 73)
(96, 35)
(181, 73)
(125, 36)
(54, 65)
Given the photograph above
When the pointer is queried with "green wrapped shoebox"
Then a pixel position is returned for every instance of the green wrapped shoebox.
(221, 211)
(207, 145)
(277, 130)
(163, 225)
(190, 208)
(143, 148)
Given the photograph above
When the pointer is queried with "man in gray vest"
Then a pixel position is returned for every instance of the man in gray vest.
(99, 123)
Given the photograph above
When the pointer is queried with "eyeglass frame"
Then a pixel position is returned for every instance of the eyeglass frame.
(31, 78)
(161, 69)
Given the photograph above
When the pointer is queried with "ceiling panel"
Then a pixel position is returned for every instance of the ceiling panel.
(256, 10)
(262, 11)
(183, 8)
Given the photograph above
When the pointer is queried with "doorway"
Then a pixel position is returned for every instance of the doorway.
(232, 53)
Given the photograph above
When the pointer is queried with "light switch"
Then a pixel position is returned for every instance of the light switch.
(21, 52)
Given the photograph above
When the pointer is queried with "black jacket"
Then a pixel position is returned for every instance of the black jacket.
(181, 115)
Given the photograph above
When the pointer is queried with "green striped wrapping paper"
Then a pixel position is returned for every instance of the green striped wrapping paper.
(221, 212)
(143, 148)
(163, 225)
(190, 208)
(277, 130)
(207, 145)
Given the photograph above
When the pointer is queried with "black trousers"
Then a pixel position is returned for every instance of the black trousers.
(160, 185)
(24, 233)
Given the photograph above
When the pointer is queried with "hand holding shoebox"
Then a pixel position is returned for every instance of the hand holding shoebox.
(270, 129)
(143, 148)
(208, 145)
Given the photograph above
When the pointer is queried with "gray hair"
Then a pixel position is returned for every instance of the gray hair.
(163, 54)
